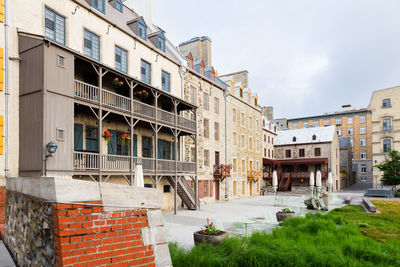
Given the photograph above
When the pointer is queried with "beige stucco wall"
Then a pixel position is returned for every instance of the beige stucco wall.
(378, 135)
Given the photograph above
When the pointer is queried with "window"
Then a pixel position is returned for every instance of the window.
(363, 154)
(193, 154)
(305, 125)
(269, 153)
(216, 131)
(145, 70)
(386, 124)
(161, 42)
(121, 59)
(206, 188)
(350, 120)
(301, 153)
(250, 143)
(147, 147)
(387, 145)
(243, 166)
(351, 142)
(165, 81)
(148, 186)
(363, 179)
(327, 123)
(234, 115)
(386, 103)
(338, 122)
(60, 60)
(142, 29)
(316, 123)
(192, 95)
(54, 26)
(314, 137)
(206, 101)
(269, 139)
(272, 140)
(91, 45)
(206, 157)
(350, 131)
(164, 150)
(206, 125)
(362, 130)
(60, 134)
(118, 5)
(363, 168)
(363, 142)
(317, 151)
(234, 165)
(294, 139)
(242, 119)
(167, 188)
(92, 143)
(295, 126)
(257, 125)
(216, 105)
(362, 119)
(250, 123)
(243, 141)
(265, 138)
(265, 152)
(99, 5)
(288, 153)
(234, 139)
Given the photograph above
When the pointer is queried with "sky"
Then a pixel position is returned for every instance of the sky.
(304, 57)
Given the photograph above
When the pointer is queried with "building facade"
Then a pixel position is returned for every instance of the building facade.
(270, 132)
(353, 123)
(110, 97)
(385, 108)
(244, 138)
(302, 151)
(346, 169)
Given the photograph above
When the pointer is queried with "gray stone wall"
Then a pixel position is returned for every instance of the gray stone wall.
(29, 230)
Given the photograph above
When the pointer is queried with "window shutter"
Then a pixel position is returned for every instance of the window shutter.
(78, 137)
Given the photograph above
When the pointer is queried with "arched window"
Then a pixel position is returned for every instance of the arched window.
(386, 124)
(387, 145)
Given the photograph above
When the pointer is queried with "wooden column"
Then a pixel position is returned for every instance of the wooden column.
(100, 73)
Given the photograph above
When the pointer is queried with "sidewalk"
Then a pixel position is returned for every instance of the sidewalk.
(5, 258)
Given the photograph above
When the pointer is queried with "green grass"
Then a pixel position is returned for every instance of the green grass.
(335, 239)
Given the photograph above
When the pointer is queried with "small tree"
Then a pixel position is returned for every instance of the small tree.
(391, 169)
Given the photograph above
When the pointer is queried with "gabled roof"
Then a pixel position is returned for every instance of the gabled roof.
(305, 135)
(198, 62)
(141, 19)
(211, 68)
(157, 33)
(187, 55)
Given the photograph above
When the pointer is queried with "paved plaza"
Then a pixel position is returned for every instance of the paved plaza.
(258, 213)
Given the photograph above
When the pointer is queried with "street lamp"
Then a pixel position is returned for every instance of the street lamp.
(51, 149)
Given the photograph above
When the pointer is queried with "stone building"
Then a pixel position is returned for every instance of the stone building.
(203, 90)
(4, 108)
(270, 131)
(385, 108)
(346, 169)
(244, 138)
(355, 123)
(302, 151)
(110, 96)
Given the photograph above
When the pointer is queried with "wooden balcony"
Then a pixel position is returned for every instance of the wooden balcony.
(89, 162)
(91, 93)
(222, 171)
(253, 175)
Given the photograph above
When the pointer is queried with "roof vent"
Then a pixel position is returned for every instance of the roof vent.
(294, 138)
(314, 137)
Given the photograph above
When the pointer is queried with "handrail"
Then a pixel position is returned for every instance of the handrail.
(85, 161)
(143, 109)
(86, 91)
(114, 100)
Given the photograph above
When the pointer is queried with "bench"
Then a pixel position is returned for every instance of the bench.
(388, 193)
(368, 204)
(347, 200)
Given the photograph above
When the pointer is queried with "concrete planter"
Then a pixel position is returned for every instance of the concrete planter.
(326, 201)
(281, 216)
(215, 240)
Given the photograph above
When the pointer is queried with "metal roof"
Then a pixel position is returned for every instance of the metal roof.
(305, 136)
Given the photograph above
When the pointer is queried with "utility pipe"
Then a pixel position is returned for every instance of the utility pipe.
(6, 88)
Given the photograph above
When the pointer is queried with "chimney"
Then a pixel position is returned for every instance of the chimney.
(200, 47)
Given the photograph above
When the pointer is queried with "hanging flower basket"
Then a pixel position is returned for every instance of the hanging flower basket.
(117, 83)
(126, 138)
(143, 94)
(107, 135)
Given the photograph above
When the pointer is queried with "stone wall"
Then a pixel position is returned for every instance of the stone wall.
(29, 230)
(2, 207)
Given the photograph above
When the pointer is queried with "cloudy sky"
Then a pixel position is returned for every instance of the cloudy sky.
(304, 57)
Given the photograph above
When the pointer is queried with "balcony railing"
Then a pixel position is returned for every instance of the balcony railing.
(116, 163)
(84, 161)
(186, 167)
(253, 175)
(222, 171)
(86, 91)
(186, 123)
(141, 109)
(116, 101)
(166, 117)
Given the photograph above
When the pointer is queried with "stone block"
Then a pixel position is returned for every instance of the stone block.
(155, 218)
(163, 258)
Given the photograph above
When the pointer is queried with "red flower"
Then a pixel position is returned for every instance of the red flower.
(122, 83)
(116, 79)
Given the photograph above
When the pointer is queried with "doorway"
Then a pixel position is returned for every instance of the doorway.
(216, 158)
(216, 189)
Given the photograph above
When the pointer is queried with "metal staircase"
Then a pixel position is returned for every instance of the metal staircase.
(185, 192)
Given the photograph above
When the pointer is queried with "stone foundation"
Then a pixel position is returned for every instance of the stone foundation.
(63, 222)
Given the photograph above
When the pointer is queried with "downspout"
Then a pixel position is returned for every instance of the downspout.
(226, 145)
(182, 75)
(6, 87)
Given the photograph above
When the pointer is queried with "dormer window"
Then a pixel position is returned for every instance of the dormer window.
(118, 5)
(161, 42)
(99, 5)
(142, 29)
(212, 76)
(201, 70)
(314, 137)
(241, 92)
(294, 139)
(255, 102)
(189, 63)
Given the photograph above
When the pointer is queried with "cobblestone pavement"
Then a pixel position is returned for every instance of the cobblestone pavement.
(233, 215)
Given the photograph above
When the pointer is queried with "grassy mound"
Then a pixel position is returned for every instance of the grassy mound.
(316, 240)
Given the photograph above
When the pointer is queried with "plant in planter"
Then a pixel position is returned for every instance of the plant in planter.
(107, 135)
(125, 138)
(325, 198)
(117, 83)
(284, 214)
(143, 94)
(210, 234)
(312, 203)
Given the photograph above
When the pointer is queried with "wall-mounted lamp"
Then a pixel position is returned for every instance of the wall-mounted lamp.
(51, 149)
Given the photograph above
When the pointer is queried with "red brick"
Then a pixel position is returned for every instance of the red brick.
(145, 224)
(80, 218)
(76, 239)
(137, 225)
(127, 226)
(70, 260)
(94, 202)
(87, 224)
(116, 215)
(99, 223)
(105, 261)
(134, 263)
(148, 253)
(98, 256)
(59, 212)
(97, 210)
(78, 252)
(126, 245)
(131, 250)
(93, 217)
(95, 243)
(77, 206)
(104, 248)
(119, 239)
(107, 241)
(81, 231)
(83, 244)
(88, 237)
(85, 258)
(67, 232)
(120, 252)
(91, 250)
(117, 259)
(105, 229)
(72, 212)
(116, 227)
(114, 246)
(128, 257)
(86, 211)
(123, 264)
(80, 264)
(113, 221)
(93, 263)
(142, 219)
(136, 243)
(108, 254)
(75, 225)
(65, 219)
(123, 233)
(93, 230)
(63, 240)
(63, 206)
(151, 265)
(122, 220)
(139, 255)
(147, 260)
(132, 220)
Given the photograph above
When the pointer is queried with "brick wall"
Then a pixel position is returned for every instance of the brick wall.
(86, 236)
